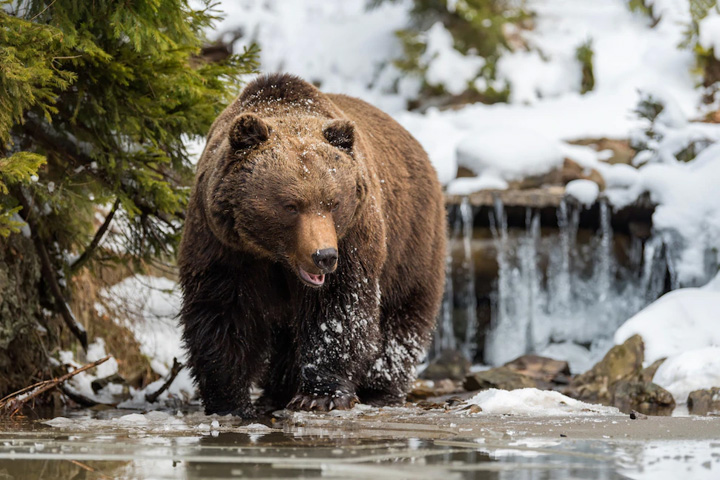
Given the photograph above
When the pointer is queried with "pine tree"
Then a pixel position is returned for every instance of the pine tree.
(97, 102)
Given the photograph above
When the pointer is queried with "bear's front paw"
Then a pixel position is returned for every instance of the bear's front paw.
(323, 403)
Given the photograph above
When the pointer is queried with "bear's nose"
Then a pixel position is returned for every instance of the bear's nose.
(325, 259)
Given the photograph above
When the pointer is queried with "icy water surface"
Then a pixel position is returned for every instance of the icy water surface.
(395, 443)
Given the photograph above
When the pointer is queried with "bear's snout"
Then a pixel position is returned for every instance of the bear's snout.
(326, 259)
(316, 252)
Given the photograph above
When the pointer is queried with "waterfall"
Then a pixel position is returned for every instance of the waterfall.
(557, 292)
(579, 299)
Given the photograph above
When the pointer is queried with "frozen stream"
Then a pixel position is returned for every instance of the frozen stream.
(365, 443)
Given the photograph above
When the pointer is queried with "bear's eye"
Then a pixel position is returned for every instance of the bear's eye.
(290, 208)
(335, 206)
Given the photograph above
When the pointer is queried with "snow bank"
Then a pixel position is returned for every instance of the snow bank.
(688, 371)
(509, 153)
(149, 306)
(679, 321)
(531, 401)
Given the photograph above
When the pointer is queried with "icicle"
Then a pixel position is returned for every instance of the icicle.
(469, 296)
(561, 286)
(606, 258)
(532, 276)
(445, 334)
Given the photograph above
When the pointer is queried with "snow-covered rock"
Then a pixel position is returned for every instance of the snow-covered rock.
(584, 191)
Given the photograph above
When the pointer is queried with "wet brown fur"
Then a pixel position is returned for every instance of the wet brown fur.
(288, 170)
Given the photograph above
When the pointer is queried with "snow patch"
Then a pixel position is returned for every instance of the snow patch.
(709, 32)
(531, 401)
(692, 370)
(446, 66)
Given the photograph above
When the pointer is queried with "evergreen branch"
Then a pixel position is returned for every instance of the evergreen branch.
(61, 145)
(49, 275)
(83, 259)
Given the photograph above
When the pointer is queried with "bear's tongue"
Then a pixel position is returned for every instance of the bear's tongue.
(317, 280)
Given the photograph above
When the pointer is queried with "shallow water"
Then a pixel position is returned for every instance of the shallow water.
(395, 443)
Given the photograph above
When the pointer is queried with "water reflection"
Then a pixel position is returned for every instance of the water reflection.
(287, 454)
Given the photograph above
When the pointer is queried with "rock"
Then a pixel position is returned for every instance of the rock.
(100, 383)
(542, 369)
(645, 397)
(648, 373)
(620, 380)
(569, 171)
(503, 378)
(450, 364)
(635, 415)
(622, 362)
(621, 150)
(472, 408)
(464, 172)
(424, 389)
(701, 402)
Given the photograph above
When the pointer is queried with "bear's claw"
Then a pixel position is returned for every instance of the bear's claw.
(323, 403)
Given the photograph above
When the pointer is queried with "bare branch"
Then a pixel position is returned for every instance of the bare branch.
(177, 366)
(87, 254)
(49, 274)
(12, 404)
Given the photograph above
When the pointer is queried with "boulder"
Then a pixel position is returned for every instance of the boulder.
(450, 364)
(619, 379)
(542, 369)
(622, 362)
(701, 402)
(503, 378)
(645, 397)
(424, 389)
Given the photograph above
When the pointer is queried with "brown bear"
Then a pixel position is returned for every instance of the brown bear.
(312, 261)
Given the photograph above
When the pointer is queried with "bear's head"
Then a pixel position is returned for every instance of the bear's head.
(287, 189)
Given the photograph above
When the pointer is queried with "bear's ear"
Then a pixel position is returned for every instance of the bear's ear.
(340, 134)
(248, 130)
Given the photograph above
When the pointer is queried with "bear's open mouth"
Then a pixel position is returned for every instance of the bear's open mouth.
(310, 279)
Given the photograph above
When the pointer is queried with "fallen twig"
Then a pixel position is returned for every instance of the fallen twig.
(177, 366)
(13, 404)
